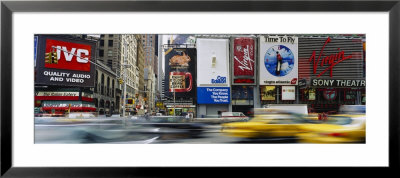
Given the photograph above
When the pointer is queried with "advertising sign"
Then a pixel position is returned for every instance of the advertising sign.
(35, 49)
(65, 62)
(180, 72)
(329, 93)
(268, 93)
(311, 94)
(70, 56)
(50, 93)
(331, 57)
(243, 60)
(242, 92)
(288, 93)
(213, 95)
(354, 83)
(278, 60)
(213, 67)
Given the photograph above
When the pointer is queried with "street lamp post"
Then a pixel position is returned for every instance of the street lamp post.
(125, 66)
(174, 99)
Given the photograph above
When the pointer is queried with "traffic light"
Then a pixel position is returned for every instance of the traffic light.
(121, 81)
(54, 58)
(130, 101)
(48, 58)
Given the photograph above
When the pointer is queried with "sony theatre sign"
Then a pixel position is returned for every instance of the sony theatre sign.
(338, 83)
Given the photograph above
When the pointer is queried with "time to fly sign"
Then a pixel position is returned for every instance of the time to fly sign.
(65, 62)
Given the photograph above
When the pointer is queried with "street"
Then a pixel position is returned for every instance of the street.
(131, 131)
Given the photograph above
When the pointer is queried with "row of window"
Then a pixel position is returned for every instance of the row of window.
(110, 43)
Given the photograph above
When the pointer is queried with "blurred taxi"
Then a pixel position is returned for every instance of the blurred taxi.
(268, 123)
(346, 127)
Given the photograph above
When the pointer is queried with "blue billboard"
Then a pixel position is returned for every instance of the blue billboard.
(213, 95)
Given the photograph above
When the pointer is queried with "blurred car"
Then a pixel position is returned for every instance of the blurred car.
(233, 116)
(268, 123)
(336, 129)
(171, 127)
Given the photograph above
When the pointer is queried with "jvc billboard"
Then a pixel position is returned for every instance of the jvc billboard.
(65, 62)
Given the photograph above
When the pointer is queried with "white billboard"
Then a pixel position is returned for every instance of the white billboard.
(278, 60)
(212, 62)
(213, 71)
(288, 93)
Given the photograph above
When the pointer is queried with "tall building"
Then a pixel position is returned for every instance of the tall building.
(128, 51)
(149, 43)
(150, 47)
(109, 51)
(140, 67)
(119, 53)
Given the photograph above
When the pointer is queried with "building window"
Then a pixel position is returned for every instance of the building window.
(108, 87)
(110, 53)
(111, 36)
(102, 84)
(95, 81)
(101, 53)
(109, 63)
(112, 91)
(110, 42)
(101, 42)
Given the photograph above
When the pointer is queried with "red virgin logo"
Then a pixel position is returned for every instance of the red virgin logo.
(328, 61)
(294, 80)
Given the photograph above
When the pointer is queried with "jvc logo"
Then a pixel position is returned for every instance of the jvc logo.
(70, 55)
(81, 54)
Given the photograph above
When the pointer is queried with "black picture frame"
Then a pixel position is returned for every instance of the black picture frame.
(8, 7)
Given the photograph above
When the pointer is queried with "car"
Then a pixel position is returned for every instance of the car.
(233, 116)
(268, 124)
(170, 128)
(350, 130)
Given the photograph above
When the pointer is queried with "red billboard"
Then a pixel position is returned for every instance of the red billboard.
(70, 56)
(243, 60)
(65, 61)
(243, 57)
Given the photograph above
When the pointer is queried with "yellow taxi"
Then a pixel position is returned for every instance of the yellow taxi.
(350, 130)
(269, 123)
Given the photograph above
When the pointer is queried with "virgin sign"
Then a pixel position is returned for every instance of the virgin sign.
(243, 57)
(327, 61)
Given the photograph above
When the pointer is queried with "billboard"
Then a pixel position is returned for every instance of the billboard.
(180, 73)
(65, 62)
(331, 58)
(278, 60)
(243, 60)
(288, 93)
(268, 93)
(213, 67)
